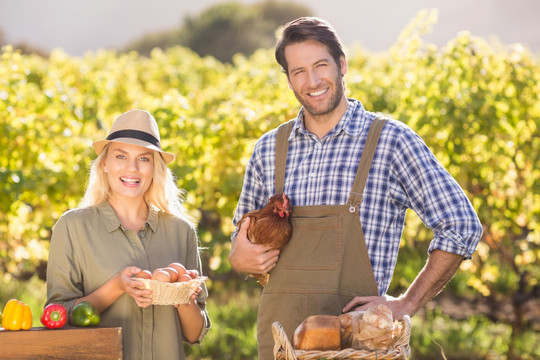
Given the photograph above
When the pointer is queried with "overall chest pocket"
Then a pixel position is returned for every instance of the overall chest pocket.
(315, 244)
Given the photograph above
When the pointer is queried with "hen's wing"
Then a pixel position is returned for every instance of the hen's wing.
(268, 229)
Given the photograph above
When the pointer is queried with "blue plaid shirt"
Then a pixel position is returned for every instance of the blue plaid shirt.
(404, 175)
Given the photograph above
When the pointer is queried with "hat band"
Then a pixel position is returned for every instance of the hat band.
(135, 134)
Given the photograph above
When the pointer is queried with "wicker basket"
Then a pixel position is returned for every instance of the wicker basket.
(164, 293)
(283, 349)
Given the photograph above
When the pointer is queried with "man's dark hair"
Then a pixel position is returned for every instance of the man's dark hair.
(308, 28)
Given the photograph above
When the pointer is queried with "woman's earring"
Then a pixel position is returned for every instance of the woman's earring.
(106, 170)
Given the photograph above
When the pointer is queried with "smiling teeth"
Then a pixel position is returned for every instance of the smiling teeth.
(320, 92)
(131, 181)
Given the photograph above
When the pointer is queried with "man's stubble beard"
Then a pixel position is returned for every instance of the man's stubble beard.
(334, 100)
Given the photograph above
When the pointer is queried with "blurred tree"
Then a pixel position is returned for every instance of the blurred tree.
(29, 49)
(23, 47)
(163, 40)
(226, 29)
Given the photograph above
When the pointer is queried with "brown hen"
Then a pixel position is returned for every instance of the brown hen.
(270, 226)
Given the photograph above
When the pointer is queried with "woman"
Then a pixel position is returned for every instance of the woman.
(131, 218)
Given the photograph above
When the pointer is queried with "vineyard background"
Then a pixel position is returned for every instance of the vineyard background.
(476, 104)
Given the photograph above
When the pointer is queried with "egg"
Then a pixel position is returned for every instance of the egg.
(161, 275)
(183, 278)
(144, 274)
(172, 273)
(181, 269)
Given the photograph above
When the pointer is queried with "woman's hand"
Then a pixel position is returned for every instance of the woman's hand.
(135, 288)
(118, 285)
(193, 296)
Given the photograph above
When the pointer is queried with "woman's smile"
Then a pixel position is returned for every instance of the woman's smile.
(130, 170)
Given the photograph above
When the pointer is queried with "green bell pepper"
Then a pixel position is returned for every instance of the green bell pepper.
(84, 314)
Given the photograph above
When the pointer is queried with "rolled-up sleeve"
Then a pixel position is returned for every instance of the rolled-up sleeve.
(206, 328)
(459, 233)
(194, 255)
(437, 198)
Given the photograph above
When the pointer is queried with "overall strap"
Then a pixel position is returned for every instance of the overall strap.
(282, 147)
(357, 190)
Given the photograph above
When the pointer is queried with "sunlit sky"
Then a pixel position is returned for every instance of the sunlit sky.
(81, 26)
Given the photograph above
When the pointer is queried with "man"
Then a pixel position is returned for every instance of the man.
(350, 177)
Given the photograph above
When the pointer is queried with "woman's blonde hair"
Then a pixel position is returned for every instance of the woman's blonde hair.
(163, 194)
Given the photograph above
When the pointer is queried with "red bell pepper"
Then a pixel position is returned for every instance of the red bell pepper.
(54, 316)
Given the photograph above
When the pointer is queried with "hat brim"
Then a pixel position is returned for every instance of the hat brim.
(100, 145)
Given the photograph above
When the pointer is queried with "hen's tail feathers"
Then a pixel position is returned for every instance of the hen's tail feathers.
(261, 278)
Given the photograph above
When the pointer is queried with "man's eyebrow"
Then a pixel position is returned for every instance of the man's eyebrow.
(323, 60)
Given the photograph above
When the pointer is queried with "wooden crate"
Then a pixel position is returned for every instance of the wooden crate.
(99, 343)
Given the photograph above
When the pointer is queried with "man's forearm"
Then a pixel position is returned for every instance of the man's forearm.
(439, 269)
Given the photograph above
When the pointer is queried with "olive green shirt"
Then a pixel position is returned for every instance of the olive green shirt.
(89, 246)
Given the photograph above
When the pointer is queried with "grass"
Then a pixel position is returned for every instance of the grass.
(233, 335)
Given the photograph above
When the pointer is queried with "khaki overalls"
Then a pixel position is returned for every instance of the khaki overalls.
(325, 264)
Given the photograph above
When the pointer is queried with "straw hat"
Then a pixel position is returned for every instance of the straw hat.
(136, 127)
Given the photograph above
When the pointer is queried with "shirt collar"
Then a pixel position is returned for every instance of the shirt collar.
(112, 222)
(352, 122)
(152, 218)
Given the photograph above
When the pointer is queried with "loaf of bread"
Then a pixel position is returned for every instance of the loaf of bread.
(371, 329)
(380, 316)
(349, 326)
(318, 332)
